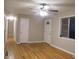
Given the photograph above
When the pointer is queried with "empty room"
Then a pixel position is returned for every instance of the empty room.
(39, 29)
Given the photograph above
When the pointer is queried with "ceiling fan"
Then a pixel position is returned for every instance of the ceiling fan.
(45, 7)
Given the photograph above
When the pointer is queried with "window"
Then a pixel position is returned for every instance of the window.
(68, 27)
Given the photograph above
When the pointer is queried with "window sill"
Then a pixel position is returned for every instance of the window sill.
(66, 38)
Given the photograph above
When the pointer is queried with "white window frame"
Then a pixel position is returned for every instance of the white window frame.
(60, 26)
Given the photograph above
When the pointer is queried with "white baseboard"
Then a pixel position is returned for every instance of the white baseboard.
(35, 41)
(62, 49)
(31, 42)
(18, 43)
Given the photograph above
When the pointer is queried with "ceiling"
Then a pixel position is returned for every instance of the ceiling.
(31, 6)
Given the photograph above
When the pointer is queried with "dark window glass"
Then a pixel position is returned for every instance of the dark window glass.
(72, 27)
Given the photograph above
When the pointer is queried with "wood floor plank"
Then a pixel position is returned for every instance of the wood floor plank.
(36, 51)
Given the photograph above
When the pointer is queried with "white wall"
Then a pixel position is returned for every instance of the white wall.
(36, 29)
(62, 42)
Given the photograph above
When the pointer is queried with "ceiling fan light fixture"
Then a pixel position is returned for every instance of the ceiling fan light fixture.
(43, 13)
(46, 7)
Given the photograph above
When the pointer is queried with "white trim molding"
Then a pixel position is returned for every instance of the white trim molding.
(35, 41)
(31, 42)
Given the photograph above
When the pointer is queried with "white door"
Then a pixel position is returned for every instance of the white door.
(47, 30)
(23, 30)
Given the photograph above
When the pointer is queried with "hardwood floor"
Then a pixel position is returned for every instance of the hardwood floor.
(35, 51)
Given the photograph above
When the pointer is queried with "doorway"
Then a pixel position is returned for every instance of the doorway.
(9, 28)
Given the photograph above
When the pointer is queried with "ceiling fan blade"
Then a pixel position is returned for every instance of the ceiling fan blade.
(53, 10)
